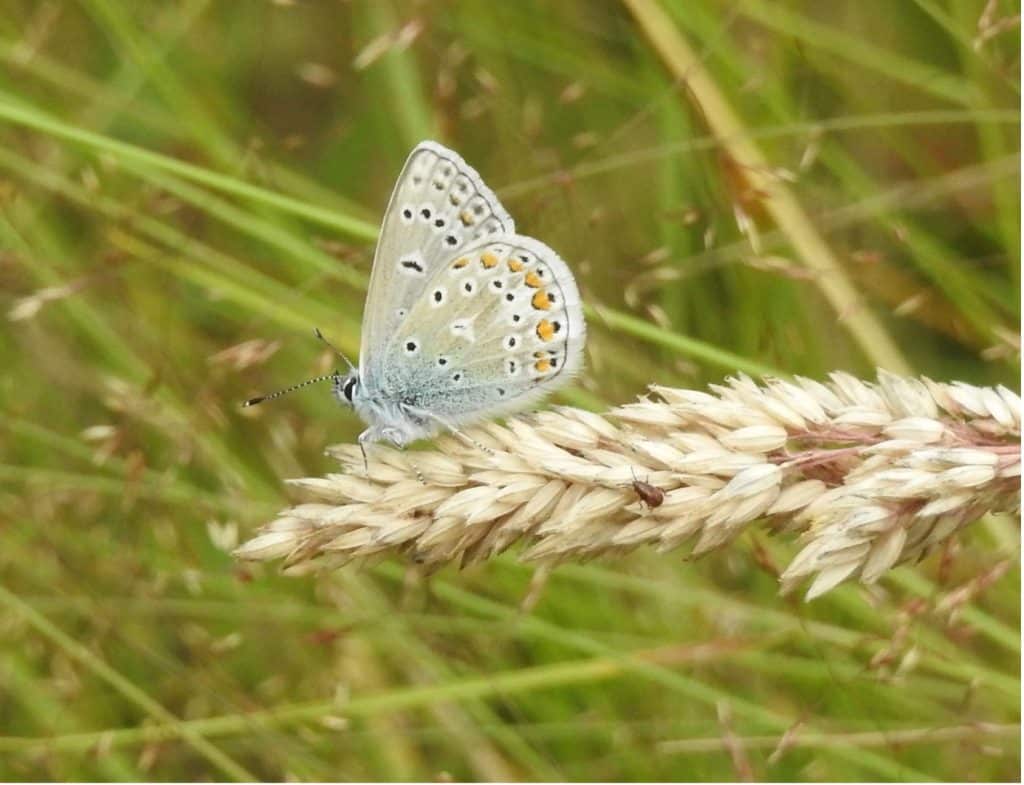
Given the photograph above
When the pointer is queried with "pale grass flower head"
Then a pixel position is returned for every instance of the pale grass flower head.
(867, 474)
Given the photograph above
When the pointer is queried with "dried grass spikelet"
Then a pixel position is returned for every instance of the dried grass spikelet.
(869, 474)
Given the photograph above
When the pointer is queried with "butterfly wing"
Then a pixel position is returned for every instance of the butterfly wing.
(439, 205)
(497, 326)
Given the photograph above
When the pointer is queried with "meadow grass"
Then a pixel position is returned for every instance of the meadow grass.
(187, 189)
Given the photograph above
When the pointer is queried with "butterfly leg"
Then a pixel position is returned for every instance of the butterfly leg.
(369, 436)
(465, 437)
(400, 439)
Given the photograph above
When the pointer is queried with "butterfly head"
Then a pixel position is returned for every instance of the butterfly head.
(346, 388)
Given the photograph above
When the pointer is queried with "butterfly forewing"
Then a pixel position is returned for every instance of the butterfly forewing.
(497, 325)
(439, 206)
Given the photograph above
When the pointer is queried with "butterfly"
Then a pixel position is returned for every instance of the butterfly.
(465, 319)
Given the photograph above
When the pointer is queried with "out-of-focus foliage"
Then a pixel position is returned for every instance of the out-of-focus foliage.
(187, 188)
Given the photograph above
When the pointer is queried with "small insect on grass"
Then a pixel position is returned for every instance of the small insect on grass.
(651, 495)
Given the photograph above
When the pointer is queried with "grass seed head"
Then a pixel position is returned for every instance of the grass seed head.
(870, 474)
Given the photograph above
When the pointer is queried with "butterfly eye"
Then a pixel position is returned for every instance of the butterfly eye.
(349, 389)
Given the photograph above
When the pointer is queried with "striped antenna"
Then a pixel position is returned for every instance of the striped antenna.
(286, 390)
(335, 349)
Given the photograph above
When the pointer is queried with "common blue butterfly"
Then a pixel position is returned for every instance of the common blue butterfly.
(465, 319)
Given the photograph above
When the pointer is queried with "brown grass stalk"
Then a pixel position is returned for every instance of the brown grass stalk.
(869, 475)
(684, 63)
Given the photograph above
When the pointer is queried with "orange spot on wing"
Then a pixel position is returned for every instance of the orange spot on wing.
(515, 265)
(543, 366)
(541, 301)
(460, 263)
(466, 217)
(533, 280)
(488, 260)
(545, 330)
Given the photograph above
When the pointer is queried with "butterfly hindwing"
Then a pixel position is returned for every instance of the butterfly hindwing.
(439, 206)
(497, 325)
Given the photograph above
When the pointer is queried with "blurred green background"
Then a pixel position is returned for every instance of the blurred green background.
(187, 188)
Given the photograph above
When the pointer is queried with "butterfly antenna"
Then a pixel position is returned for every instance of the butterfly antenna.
(293, 388)
(335, 349)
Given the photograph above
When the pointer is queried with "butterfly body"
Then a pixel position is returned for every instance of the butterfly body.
(391, 418)
(465, 319)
